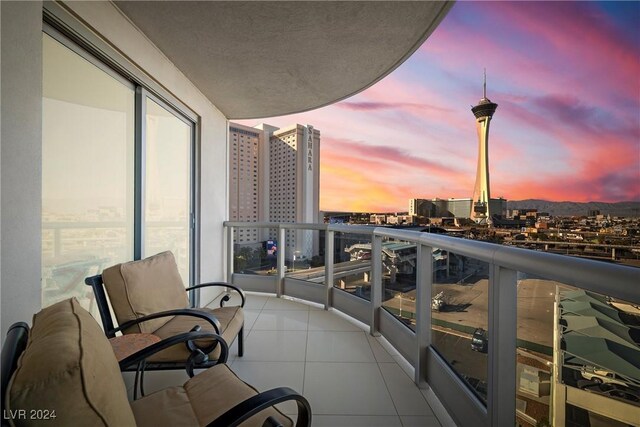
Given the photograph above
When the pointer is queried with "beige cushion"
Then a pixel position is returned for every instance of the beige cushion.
(231, 320)
(68, 366)
(139, 288)
(200, 401)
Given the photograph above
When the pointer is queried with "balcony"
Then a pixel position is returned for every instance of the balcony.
(416, 302)
(350, 377)
(488, 333)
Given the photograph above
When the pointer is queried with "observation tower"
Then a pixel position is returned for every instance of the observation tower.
(480, 211)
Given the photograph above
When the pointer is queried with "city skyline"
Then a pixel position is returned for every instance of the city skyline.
(567, 77)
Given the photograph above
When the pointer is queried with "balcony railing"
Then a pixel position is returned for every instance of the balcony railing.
(496, 332)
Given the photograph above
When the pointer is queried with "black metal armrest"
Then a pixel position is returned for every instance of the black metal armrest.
(245, 410)
(221, 284)
(171, 341)
(13, 346)
(193, 312)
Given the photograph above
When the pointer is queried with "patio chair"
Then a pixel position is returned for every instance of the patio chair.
(148, 297)
(62, 372)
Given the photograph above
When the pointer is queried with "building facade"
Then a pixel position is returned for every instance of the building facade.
(457, 208)
(294, 190)
(274, 176)
(245, 180)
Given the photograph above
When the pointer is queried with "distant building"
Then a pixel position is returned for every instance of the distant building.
(457, 208)
(246, 192)
(294, 180)
(274, 176)
(378, 219)
(419, 207)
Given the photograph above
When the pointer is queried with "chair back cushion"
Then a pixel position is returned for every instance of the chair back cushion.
(140, 288)
(68, 367)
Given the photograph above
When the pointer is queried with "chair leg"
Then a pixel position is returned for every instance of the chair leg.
(241, 342)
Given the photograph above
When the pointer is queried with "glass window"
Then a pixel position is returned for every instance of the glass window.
(87, 173)
(89, 183)
(167, 186)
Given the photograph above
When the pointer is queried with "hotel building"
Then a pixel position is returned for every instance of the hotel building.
(274, 176)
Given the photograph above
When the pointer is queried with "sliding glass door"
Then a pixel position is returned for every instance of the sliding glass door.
(117, 173)
(87, 172)
(167, 184)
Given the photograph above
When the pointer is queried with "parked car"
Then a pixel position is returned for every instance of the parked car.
(601, 376)
(611, 390)
(480, 340)
(624, 394)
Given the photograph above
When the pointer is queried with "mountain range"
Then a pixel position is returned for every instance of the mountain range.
(626, 209)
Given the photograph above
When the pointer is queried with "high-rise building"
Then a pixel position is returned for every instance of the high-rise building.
(294, 178)
(274, 176)
(245, 183)
(481, 209)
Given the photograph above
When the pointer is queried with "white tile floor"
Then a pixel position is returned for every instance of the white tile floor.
(349, 377)
(345, 373)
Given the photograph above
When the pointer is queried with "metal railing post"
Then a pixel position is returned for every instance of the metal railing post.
(328, 267)
(282, 244)
(376, 284)
(230, 254)
(501, 401)
(424, 283)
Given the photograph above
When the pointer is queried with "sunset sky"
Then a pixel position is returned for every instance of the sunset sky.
(565, 76)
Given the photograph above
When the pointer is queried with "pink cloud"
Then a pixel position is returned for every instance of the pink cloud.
(567, 128)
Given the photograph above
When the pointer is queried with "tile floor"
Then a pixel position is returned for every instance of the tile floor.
(349, 377)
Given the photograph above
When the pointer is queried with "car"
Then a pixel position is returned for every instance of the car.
(624, 394)
(480, 340)
(601, 376)
(611, 390)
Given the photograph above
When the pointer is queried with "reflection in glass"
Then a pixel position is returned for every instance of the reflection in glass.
(87, 173)
(257, 257)
(399, 280)
(167, 186)
(534, 358)
(459, 308)
(352, 264)
(305, 261)
(597, 351)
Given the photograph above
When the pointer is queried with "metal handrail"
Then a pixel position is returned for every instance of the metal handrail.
(604, 278)
(504, 262)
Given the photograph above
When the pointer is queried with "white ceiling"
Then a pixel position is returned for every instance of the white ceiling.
(257, 59)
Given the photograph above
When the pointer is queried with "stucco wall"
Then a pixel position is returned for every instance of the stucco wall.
(21, 160)
(22, 146)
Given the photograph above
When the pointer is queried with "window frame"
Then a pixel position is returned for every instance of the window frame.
(66, 29)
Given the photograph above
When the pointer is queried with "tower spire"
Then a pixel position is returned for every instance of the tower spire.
(484, 87)
(480, 210)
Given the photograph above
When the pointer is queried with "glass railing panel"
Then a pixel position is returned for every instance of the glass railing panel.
(352, 264)
(304, 255)
(79, 250)
(459, 316)
(254, 253)
(534, 353)
(597, 349)
(399, 267)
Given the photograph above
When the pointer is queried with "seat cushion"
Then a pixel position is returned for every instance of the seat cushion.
(231, 320)
(140, 288)
(68, 366)
(200, 401)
